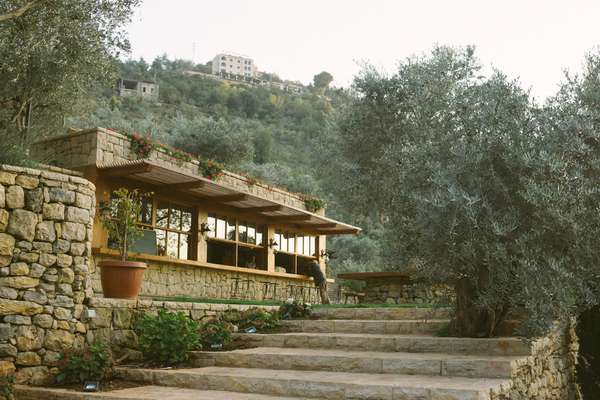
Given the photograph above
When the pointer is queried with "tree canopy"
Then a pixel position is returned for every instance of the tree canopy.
(478, 186)
(322, 80)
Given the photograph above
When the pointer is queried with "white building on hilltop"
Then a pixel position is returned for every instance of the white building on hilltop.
(233, 65)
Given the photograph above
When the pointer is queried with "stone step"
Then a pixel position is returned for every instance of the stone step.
(141, 393)
(376, 342)
(409, 326)
(359, 361)
(320, 384)
(383, 313)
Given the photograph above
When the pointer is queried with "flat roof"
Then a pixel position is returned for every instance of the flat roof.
(171, 180)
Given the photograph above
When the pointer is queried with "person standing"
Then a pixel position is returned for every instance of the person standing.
(314, 271)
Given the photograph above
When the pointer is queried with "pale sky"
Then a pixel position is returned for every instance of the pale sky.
(533, 40)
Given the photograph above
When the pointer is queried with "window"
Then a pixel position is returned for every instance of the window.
(302, 245)
(173, 229)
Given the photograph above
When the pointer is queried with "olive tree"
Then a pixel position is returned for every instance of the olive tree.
(475, 191)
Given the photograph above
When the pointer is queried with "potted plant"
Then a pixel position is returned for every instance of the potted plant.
(122, 279)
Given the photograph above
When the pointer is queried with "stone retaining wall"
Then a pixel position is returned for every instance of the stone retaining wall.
(45, 246)
(164, 279)
(391, 291)
(549, 373)
(116, 318)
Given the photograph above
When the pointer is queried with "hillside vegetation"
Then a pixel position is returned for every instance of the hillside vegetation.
(280, 138)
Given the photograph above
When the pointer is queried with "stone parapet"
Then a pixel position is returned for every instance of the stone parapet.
(45, 246)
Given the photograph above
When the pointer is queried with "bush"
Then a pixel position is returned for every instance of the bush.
(260, 319)
(95, 363)
(7, 383)
(216, 334)
(166, 338)
(294, 309)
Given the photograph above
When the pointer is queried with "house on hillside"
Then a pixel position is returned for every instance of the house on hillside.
(130, 87)
(206, 234)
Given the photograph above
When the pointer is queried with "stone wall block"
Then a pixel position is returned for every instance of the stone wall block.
(27, 182)
(4, 215)
(19, 282)
(73, 231)
(76, 214)
(60, 195)
(7, 178)
(19, 268)
(45, 231)
(22, 223)
(59, 340)
(54, 211)
(15, 197)
(7, 247)
(34, 200)
(29, 338)
(2, 197)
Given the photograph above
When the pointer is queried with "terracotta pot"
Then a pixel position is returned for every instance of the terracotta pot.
(121, 279)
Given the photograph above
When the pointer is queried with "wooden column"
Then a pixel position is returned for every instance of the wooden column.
(322, 246)
(202, 248)
(270, 251)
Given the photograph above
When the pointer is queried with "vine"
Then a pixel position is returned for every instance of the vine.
(314, 204)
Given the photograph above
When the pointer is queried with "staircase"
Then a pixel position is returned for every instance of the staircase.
(383, 354)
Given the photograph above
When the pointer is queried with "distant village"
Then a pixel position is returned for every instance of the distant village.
(225, 67)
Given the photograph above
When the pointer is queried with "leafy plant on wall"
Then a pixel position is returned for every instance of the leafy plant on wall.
(210, 169)
(314, 204)
(141, 145)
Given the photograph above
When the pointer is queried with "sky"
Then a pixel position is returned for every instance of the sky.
(534, 41)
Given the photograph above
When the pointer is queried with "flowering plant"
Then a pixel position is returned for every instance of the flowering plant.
(314, 204)
(210, 169)
(141, 145)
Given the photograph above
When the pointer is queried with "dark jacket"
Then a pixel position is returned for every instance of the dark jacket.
(314, 271)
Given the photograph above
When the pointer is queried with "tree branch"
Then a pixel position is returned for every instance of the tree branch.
(18, 12)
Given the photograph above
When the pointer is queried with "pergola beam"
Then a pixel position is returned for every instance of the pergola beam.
(228, 198)
(290, 218)
(276, 207)
(127, 170)
(184, 186)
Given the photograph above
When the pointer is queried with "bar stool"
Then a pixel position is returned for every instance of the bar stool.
(245, 285)
(269, 287)
(235, 287)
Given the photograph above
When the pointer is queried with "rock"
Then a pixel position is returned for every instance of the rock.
(19, 268)
(34, 199)
(28, 359)
(36, 297)
(8, 293)
(3, 220)
(7, 247)
(102, 319)
(28, 182)
(36, 376)
(66, 275)
(47, 260)
(60, 195)
(52, 358)
(121, 318)
(36, 271)
(61, 324)
(79, 327)
(7, 350)
(59, 340)
(6, 332)
(65, 288)
(73, 231)
(11, 307)
(29, 337)
(29, 257)
(61, 246)
(17, 320)
(77, 249)
(124, 338)
(62, 314)
(5, 271)
(63, 301)
(19, 282)
(83, 201)
(42, 247)
(15, 197)
(48, 277)
(7, 178)
(7, 368)
(43, 320)
(64, 260)
(21, 224)
(54, 211)
(24, 245)
(2, 197)
(45, 231)
(76, 214)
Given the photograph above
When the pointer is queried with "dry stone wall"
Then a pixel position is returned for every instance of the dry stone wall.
(45, 246)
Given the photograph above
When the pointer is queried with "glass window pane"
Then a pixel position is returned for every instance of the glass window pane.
(313, 247)
(252, 233)
(175, 219)
(162, 215)
(146, 211)
(186, 220)
(212, 225)
(183, 246)
(306, 251)
(243, 232)
(291, 243)
(172, 244)
(231, 229)
(284, 242)
(260, 235)
(299, 244)
(221, 226)
(161, 242)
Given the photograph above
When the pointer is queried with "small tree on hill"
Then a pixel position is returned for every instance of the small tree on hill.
(322, 80)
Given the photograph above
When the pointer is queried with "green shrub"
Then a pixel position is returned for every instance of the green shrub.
(260, 319)
(166, 338)
(216, 334)
(94, 363)
(294, 309)
(7, 383)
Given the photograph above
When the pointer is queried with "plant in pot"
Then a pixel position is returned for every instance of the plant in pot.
(122, 279)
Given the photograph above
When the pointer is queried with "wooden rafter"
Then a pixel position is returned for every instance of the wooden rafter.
(228, 198)
(128, 170)
(275, 207)
(290, 218)
(184, 186)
